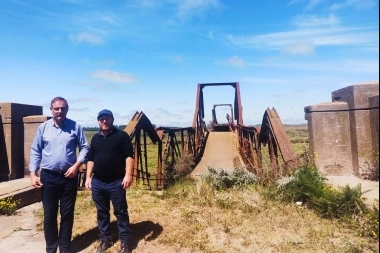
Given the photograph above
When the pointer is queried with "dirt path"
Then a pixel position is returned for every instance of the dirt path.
(18, 233)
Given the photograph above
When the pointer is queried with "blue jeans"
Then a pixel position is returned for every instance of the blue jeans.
(60, 193)
(102, 194)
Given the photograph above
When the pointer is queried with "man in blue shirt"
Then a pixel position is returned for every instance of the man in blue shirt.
(54, 151)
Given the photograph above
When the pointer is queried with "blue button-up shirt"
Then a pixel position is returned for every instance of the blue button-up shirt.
(54, 148)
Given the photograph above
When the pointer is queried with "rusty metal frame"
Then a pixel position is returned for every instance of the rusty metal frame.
(271, 133)
(248, 145)
(199, 108)
(215, 125)
(174, 142)
(138, 129)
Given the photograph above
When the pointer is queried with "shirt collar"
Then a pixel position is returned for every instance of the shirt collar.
(63, 124)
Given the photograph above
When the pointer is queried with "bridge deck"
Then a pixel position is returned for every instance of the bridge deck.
(220, 152)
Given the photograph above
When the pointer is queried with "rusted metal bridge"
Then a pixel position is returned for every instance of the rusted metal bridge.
(171, 143)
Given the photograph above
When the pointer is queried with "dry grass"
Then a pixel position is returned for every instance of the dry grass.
(192, 217)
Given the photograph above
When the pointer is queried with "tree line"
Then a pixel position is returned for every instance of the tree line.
(121, 127)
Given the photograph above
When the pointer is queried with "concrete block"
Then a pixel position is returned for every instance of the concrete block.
(4, 164)
(31, 124)
(13, 112)
(327, 107)
(13, 134)
(21, 190)
(374, 121)
(352, 117)
(329, 138)
(356, 95)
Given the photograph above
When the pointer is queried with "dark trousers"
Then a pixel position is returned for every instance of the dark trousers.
(60, 193)
(103, 193)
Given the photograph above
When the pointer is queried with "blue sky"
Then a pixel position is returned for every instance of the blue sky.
(149, 55)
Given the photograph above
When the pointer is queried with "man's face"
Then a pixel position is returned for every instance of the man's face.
(105, 122)
(59, 110)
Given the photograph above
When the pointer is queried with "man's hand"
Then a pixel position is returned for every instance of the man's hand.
(127, 181)
(72, 172)
(87, 184)
(35, 181)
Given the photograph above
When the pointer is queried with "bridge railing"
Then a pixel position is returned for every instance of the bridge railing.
(169, 143)
(271, 133)
(248, 145)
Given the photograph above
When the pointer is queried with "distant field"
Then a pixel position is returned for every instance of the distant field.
(89, 135)
(298, 135)
(295, 127)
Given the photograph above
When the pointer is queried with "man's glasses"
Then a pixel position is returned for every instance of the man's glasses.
(105, 119)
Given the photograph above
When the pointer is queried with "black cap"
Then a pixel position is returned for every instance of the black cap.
(105, 112)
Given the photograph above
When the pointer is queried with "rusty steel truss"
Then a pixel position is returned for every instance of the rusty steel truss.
(171, 143)
(271, 133)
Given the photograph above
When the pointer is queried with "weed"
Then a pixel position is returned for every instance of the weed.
(181, 168)
(372, 170)
(8, 206)
(305, 183)
(221, 179)
(308, 186)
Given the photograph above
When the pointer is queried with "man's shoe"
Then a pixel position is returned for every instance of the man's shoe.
(104, 244)
(124, 249)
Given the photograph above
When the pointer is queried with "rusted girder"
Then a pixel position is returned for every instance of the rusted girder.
(248, 145)
(273, 133)
(199, 124)
(199, 103)
(220, 126)
(138, 128)
(172, 143)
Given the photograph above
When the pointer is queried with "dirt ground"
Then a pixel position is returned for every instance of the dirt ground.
(19, 234)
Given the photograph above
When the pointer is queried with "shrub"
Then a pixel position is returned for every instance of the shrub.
(221, 179)
(346, 203)
(8, 206)
(304, 184)
(181, 168)
(336, 203)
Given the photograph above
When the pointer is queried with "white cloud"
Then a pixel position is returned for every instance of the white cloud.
(103, 87)
(316, 37)
(86, 37)
(179, 59)
(109, 18)
(85, 100)
(187, 8)
(360, 4)
(315, 21)
(236, 61)
(294, 1)
(313, 3)
(303, 48)
(113, 76)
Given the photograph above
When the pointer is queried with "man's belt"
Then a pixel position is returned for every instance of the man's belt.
(56, 173)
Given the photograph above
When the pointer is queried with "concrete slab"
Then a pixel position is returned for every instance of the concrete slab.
(371, 188)
(20, 189)
(220, 151)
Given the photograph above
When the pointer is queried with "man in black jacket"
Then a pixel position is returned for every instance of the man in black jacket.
(109, 174)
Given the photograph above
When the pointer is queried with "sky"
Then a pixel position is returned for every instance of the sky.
(150, 55)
